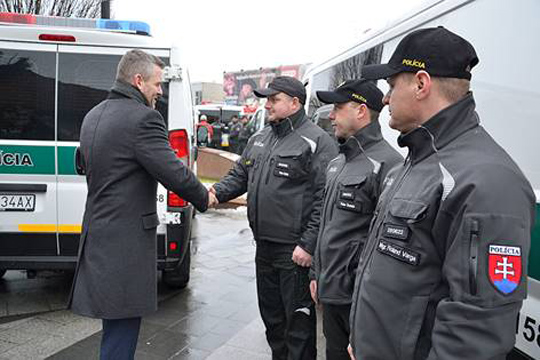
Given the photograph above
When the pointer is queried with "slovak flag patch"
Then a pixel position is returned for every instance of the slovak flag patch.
(505, 267)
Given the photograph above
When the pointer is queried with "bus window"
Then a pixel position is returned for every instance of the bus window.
(348, 69)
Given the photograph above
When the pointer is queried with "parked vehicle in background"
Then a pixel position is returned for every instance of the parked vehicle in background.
(219, 116)
(51, 77)
(321, 117)
(505, 88)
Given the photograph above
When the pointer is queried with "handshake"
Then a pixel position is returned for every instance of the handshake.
(212, 198)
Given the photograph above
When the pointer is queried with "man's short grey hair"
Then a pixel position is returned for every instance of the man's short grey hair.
(137, 62)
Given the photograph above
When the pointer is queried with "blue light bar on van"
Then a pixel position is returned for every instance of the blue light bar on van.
(122, 25)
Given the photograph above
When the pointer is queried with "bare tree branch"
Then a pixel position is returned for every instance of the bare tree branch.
(64, 8)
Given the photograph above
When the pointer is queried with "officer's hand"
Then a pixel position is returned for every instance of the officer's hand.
(301, 257)
(313, 290)
(349, 349)
(212, 199)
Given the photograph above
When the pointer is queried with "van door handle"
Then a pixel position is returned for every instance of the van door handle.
(41, 188)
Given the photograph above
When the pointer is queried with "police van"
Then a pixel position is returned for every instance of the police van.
(52, 72)
(505, 86)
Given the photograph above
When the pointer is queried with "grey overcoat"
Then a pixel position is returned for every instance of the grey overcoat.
(126, 151)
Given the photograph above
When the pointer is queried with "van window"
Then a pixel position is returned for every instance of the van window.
(27, 100)
(84, 80)
(348, 69)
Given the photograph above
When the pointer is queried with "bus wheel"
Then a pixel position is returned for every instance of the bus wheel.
(179, 277)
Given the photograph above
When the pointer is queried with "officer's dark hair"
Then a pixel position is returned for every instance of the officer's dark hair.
(452, 89)
(374, 114)
(137, 62)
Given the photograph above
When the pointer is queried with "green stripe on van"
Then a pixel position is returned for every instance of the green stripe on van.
(66, 160)
(534, 264)
(16, 159)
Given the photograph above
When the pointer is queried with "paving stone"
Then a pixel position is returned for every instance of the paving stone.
(230, 352)
(191, 354)
(165, 344)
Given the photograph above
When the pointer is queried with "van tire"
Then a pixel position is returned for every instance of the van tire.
(178, 278)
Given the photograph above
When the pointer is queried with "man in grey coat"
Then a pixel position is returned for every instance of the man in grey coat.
(125, 149)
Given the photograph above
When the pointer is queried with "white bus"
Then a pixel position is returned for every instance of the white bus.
(506, 36)
(52, 72)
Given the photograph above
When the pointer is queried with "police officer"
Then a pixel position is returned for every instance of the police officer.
(283, 171)
(444, 273)
(353, 182)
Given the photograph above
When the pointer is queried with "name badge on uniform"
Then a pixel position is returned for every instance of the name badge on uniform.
(282, 173)
(398, 252)
(349, 205)
(398, 232)
(346, 194)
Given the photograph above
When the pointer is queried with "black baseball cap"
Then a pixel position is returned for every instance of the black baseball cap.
(361, 91)
(438, 51)
(285, 84)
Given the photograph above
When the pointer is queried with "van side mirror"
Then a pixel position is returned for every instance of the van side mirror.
(80, 166)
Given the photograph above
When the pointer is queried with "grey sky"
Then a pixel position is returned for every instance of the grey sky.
(217, 36)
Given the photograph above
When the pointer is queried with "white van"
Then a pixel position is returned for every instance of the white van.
(50, 77)
(506, 36)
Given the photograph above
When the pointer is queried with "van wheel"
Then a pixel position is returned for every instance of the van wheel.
(2, 273)
(178, 278)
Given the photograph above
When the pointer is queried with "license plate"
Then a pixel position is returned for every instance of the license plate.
(17, 202)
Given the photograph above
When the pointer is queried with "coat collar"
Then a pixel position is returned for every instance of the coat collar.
(360, 141)
(441, 129)
(127, 90)
(285, 126)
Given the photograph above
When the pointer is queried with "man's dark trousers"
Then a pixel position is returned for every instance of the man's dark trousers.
(285, 303)
(336, 331)
(119, 339)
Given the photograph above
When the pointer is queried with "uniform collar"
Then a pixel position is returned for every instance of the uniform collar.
(127, 90)
(441, 129)
(284, 126)
(360, 141)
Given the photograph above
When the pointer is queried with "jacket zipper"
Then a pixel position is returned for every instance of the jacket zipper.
(269, 169)
(473, 256)
(256, 232)
(369, 247)
(329, 205)
(333, 203)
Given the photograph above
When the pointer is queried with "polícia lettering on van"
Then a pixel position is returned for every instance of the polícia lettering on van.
(15, 159)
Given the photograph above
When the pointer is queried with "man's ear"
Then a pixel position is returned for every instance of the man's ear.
(423, 83)
(138, 81)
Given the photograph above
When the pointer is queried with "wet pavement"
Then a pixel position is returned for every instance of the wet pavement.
(215, 317)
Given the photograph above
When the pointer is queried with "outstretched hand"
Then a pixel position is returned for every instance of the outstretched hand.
(212, 199)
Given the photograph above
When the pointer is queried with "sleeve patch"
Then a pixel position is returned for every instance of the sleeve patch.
(504, 264)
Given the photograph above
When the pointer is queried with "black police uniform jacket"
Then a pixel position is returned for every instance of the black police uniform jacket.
(283, 171)
(445, 270)
(126, 151)
(353, 184)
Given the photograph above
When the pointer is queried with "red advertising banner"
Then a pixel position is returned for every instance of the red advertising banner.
(238, 86)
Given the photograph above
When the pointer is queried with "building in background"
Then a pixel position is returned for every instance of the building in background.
(238, 86)
(207, 92)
